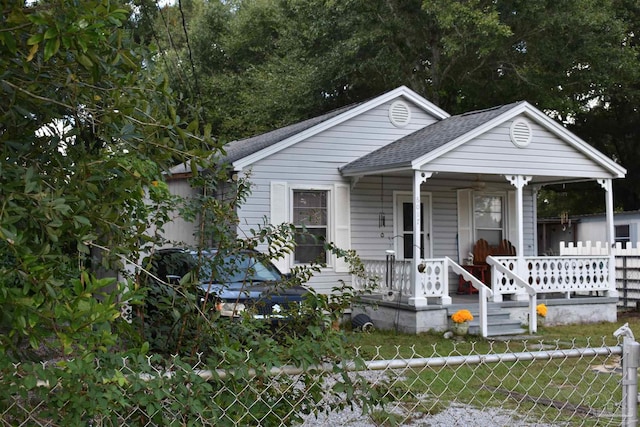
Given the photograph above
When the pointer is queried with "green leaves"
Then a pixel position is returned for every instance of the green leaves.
(84, 130)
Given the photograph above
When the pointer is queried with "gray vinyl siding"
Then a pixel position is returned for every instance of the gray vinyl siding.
(494, 151)
(315, 162)
(529, 232)
(179, 230)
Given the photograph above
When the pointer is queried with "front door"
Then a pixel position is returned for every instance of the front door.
(404, 225)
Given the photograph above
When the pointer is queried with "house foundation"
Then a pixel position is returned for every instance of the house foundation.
(401, 317)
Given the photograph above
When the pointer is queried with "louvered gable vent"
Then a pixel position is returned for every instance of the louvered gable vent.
(399, 114)
(520, 133)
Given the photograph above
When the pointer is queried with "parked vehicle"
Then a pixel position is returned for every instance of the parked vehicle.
(230, 283)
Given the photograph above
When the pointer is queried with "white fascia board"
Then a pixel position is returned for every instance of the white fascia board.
(403, 91)
(376, 171)
(543, 120)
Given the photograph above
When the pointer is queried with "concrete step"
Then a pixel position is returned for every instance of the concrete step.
(498, 322)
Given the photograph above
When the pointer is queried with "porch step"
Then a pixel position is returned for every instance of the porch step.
(498, 322)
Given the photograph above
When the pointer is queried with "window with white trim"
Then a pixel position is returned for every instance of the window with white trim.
(488, 213)
(311, 219)
(622, 233)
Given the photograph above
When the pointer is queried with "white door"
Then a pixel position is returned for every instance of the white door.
(404, 226)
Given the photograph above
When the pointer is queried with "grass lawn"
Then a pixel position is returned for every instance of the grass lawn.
(534, 388)
(389, 344)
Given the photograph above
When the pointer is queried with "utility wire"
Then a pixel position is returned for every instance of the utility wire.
(185, 81)
(193, 67)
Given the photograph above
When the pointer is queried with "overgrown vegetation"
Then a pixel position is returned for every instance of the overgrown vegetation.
(87, 130)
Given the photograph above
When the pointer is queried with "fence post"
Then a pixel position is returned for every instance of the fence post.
(630, 362)
(625, 284)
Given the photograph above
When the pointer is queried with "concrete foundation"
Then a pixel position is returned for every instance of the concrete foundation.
(402, 317)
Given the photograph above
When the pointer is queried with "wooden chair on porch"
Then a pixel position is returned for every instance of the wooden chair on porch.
(480, 269)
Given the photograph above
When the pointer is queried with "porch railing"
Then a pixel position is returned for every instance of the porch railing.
(507, 273)
(394, 283)
(484, 293)
(566, 274)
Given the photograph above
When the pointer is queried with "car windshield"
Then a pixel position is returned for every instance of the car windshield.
(240, 268)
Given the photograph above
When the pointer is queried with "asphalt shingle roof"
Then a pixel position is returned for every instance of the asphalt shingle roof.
(402, 152)
(244, 147)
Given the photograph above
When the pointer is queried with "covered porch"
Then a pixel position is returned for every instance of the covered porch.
(575, 289)
(470, 178)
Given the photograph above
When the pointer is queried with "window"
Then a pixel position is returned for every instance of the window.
(310, 216)
(489, 219)
(622, 233)
(404, 216)
(407, 230)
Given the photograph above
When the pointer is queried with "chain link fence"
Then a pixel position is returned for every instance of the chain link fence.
(489, 383)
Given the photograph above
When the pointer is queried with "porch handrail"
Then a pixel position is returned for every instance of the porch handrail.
(511, 275)
(484, 293)
(519, 281)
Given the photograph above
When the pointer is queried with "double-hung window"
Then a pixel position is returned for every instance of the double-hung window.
(311, 219)
(489, 217)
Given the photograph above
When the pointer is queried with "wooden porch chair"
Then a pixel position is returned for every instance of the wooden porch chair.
(505, 248)
(480, 268)
(481, 250)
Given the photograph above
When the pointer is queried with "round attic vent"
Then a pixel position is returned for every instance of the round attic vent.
(520, 133)
(399, 114)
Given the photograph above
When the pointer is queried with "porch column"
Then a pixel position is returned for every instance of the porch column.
(417, 299)
(536, 249)
(519, 181)
(606, 184)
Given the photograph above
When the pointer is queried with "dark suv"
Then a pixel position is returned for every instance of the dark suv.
(232, 283)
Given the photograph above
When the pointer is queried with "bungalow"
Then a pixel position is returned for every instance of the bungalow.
(368, 175)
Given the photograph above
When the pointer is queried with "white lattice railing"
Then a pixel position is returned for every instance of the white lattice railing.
(566, 274)
(432, 281)
(399, 281)
(556, 274)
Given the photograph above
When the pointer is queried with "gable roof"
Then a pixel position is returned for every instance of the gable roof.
(402, 153)
(243, 153)
(241, 148)
(424, 145)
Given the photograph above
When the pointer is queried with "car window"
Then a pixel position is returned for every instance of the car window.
(239, 268)
(171, 264)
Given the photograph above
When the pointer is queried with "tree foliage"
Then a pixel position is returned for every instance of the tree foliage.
(88, 127)
(85, 128)
(264, 64)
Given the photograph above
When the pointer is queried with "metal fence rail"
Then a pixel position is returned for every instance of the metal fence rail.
(508, 383)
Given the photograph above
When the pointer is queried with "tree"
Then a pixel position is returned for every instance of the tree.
(281, 62)
(85, 128)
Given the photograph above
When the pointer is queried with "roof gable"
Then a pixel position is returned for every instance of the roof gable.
(401, 153)
(423, 146)
(243, 153)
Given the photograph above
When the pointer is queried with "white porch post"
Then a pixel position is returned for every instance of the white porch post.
(536, 189)
(519, 181)
(608, 194)
(606, 184)
(417, 299)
